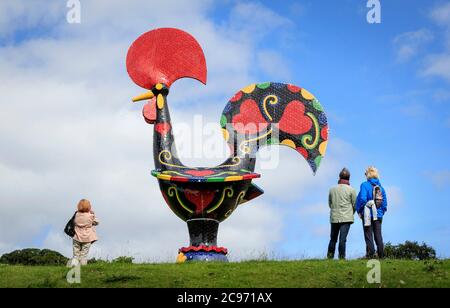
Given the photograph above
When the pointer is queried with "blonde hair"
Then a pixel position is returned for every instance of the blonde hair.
(372, 173)
(84, 206)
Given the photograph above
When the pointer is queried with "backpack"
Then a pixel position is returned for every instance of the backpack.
(70, 226)
(377, 196)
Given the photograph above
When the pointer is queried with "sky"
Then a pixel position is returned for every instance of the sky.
(69, 131)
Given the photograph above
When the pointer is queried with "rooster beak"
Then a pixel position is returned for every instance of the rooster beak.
(147, 95)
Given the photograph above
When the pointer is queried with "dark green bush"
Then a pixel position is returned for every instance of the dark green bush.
(97, 261)
(31, 256)
(123, 260)
(119, 260)
(409, 251)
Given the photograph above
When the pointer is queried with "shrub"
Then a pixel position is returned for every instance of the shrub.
(409, 251)
(123, 260)
(97, 261)
(31, 256)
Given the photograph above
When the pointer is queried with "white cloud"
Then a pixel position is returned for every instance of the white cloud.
(257, 18)
(437, 65)
(414, 110)
(315, 209)
(441, 14)
(69, 131)
(26, 15)
(441, 95)
(274, 66)
(440, 179)
(260, 228)
(408, 44)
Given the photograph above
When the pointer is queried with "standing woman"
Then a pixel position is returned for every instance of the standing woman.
(341, 201)
(371, 205)
(85, 235)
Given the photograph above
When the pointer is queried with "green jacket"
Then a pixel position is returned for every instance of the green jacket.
(342, 200)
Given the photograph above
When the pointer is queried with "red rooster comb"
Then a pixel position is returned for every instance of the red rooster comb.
(163, 56)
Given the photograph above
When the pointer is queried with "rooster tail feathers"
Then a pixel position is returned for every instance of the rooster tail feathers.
(276, 114)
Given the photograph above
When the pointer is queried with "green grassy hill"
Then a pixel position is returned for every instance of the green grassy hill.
(277, 274)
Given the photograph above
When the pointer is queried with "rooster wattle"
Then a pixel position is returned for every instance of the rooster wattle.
(259, 114)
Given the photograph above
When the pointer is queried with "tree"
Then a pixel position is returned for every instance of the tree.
(31, 256)
(409, 251)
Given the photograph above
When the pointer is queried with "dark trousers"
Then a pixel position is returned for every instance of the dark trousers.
(338, 230)
(371, 232)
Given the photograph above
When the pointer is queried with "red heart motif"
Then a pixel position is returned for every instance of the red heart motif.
(200, 172)
(201, 198)
(294, 120)
(249, 120)
(162, 128)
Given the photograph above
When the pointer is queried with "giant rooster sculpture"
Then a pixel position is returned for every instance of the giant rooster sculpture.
(259, 114)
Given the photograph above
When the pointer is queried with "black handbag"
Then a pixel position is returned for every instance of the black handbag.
(70, 226)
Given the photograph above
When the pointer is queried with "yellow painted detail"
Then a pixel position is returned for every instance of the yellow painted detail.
(164, 177)
(245, 148)
(308, 138)
(289, 143)
(234, 178)
(166, 155)
(238, 201)
(173, 191)
(323, 148)
(147, 95)
(160, 101)
(181, 258)
(221, 173)
(236, 161)
(271, 99)
(307, 95)
(226, 134)
(158, 86)
(249, 89)
(172, 172)
(229, 194)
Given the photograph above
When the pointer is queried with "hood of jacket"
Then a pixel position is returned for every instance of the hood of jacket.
(374, 182)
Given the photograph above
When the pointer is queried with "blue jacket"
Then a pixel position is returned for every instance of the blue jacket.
(366, 194)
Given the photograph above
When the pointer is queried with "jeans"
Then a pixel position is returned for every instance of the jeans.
(338, 230)
(371, 232)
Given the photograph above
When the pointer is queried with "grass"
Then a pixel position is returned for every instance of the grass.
(251, 274)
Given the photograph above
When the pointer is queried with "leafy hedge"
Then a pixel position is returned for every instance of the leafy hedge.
(120, 260)
(409, 251)
(31, 256)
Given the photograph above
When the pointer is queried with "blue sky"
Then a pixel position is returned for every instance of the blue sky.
(384, 86)
(380, 104)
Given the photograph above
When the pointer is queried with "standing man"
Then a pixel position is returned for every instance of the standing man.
(341, 199)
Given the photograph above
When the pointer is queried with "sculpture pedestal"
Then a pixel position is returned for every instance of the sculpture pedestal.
(203, 242)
